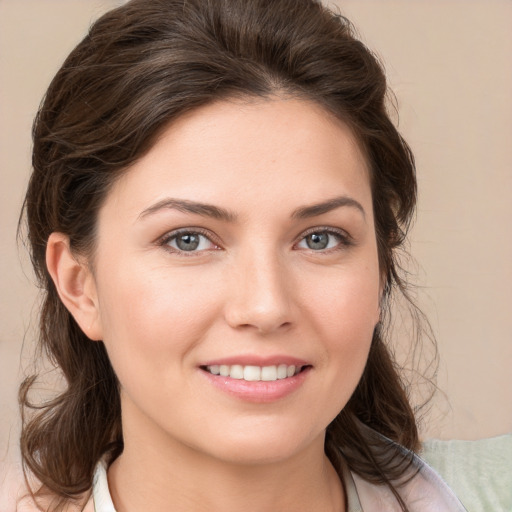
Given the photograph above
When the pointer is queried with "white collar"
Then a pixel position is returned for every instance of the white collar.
(100, 492)
(103, 501)
(425, 492)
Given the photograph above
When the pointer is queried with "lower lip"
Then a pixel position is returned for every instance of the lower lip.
(258, 391)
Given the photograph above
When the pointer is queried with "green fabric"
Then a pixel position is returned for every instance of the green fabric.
(479, 472)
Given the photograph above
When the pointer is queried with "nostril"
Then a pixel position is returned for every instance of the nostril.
(273, 327)
(262, 322)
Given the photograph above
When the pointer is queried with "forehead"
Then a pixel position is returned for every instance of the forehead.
(249, 153)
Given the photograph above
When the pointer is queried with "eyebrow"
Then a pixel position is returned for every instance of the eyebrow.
(183, 205)
(314, 210)
(216, 212)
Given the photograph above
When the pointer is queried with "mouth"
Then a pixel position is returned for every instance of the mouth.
(251, 373)
(273, 379)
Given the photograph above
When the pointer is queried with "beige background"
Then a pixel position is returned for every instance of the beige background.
(450, 65)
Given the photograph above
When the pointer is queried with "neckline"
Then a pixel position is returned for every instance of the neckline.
(102, 499)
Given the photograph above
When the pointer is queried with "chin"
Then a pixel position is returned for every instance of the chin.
(261, 447)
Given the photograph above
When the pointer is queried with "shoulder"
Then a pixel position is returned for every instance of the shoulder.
(13, 490)
(425, 491)
(479, 471)
(15, 495)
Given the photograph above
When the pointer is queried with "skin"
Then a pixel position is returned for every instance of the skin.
(252, 288)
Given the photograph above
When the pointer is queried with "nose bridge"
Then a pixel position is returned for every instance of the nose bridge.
(261, 293)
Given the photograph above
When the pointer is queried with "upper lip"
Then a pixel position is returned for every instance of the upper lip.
(253, 360)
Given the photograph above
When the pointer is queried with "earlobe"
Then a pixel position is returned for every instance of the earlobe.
(75, 285)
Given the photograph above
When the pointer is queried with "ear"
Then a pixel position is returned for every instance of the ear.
(75, 285)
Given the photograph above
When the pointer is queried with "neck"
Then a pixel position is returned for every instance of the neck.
(166, 475)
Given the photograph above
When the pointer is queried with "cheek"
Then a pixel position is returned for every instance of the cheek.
(155, 316)
(345, 319)
(347, 300)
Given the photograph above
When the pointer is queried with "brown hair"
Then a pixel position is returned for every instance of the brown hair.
(141, 66)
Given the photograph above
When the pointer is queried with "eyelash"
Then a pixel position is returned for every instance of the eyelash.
(344, 239)
(173, 235)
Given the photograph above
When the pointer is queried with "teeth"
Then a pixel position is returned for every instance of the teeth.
(215, 369)
(282, 371)
(237, 372)
(254, 373)
(269, 373)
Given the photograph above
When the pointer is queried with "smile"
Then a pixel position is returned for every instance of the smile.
(251, 373)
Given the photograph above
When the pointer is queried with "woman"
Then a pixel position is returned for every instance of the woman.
(216, 202)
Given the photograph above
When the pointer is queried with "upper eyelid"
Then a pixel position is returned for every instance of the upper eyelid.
(325, 229)
(176, 232)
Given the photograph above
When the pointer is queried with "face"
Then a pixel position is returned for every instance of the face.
(236, 279)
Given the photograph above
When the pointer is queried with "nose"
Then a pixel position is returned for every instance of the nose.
(261, 295)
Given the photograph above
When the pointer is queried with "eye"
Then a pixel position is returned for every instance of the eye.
(188, 241)
(321, 240)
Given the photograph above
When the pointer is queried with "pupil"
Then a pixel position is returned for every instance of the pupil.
(318, 240)
(187, 242)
